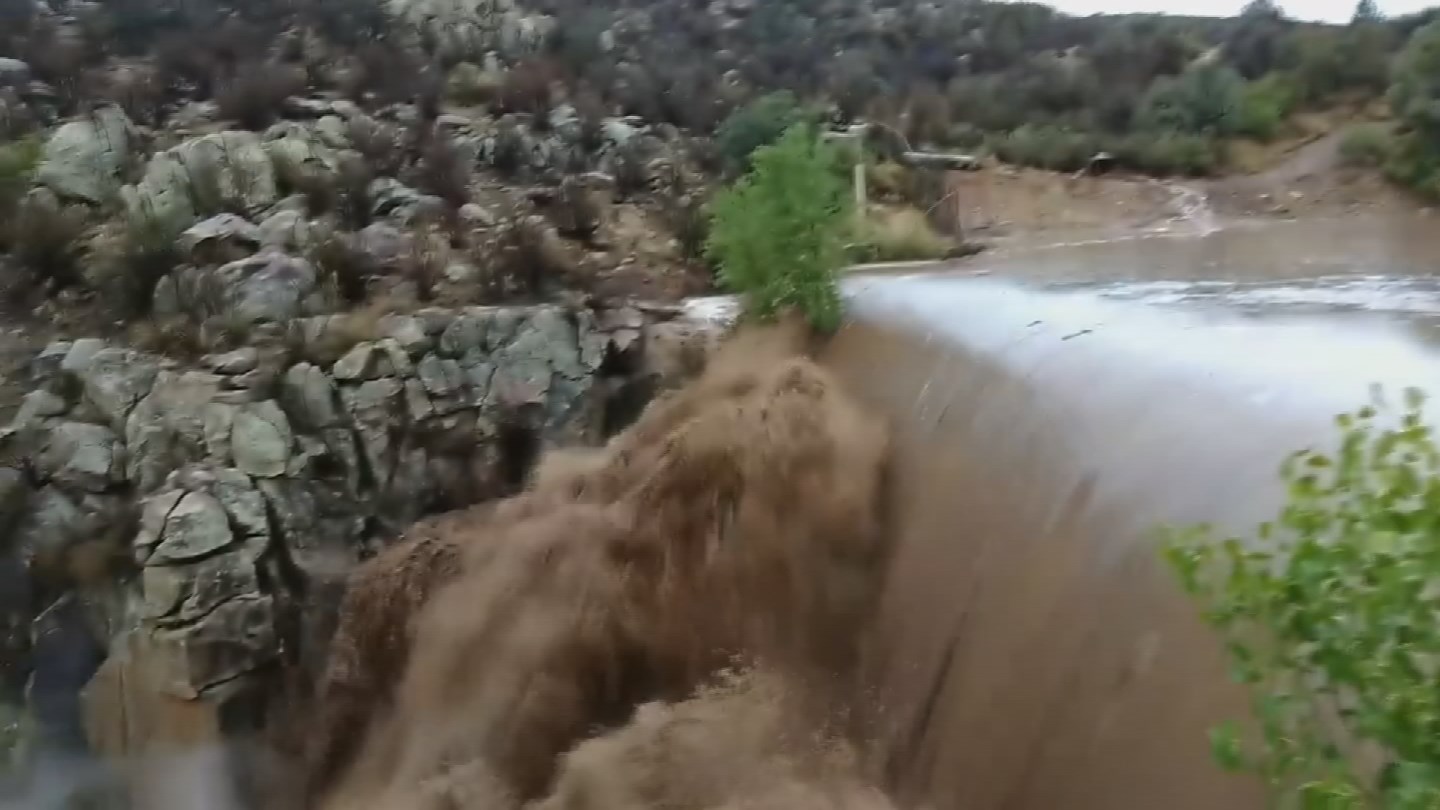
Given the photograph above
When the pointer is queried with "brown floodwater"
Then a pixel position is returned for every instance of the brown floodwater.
(1054, 405)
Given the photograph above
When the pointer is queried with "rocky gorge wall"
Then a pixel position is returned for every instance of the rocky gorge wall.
(178, 534)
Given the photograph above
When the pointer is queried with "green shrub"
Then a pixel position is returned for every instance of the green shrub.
(1414, 163)
(47, 240)
(17, 165)
(1204, 100)
(1328, 615)
(1263, 107)
(131, 258)
(1170, 153)
(778, 235)
(1046, 147)
(1366, 145)
(758, 123)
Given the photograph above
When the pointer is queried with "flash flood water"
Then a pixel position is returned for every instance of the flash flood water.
(1052, 406)
(917, 570)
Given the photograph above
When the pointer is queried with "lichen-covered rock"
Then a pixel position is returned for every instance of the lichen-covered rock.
(167, 428)
(260, 439)
(310, 397)
(191, 525)
(82, 456)
(383, 244)
(268, 287)
(401, 205)
(203, 175)
(371, 361)
(113, 380)
(37, 406)
(83, 159)
(286, 231)
(219, 239)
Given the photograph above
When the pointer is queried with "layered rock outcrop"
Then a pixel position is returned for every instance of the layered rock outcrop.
(199, 520)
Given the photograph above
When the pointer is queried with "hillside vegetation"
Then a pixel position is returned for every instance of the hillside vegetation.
(473, 151)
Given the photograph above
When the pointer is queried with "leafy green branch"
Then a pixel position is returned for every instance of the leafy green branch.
(1331, 615)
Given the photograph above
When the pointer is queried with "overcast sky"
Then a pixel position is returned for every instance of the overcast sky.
(1332, 10)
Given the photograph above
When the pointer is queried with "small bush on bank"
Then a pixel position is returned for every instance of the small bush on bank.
(1263, 107)
(344, 267)
(1366, 145)
(443, 170)
(1170, 153)
(900, 236)
(130, 261)
(470, 84)
(529, 88)
(254, 96)
(778, 235)
(46, 238)
(17, 165)
(690, 223)
(1046, 147)
(1328, 615)
(886, 180)
(378, 143)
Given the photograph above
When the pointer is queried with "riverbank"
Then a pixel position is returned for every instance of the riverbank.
(1310, 180)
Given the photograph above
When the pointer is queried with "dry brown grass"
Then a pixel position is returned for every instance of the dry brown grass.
(897, 234)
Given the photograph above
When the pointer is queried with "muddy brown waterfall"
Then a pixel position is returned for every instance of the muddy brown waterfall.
(1019, 646)
(1030, 652)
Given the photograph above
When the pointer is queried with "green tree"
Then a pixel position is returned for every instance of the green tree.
(1204, 100)
(1365, 12)
(1414, 160)
(778, 235)
(1328, 615)
(1415, 95)
(758, 123)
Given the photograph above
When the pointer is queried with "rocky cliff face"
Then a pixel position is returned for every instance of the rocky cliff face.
(179, 533)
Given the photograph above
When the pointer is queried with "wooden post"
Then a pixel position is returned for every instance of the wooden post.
(860, 196)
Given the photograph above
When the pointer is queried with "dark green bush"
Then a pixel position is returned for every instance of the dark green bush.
(756, 124)
(1046, 147)
(1204, 100)
(1170, 153)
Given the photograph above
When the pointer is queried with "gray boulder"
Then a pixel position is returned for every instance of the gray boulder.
(167, 428)
(269, 287)
(82, 456)
(384, 244)
(178, 526)
(204, 175)
(219, 239)
(401, 205)
(113, 380)
(310, 398)
(260, 439)
(287, 231)
(83, 159)
(14, 73)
